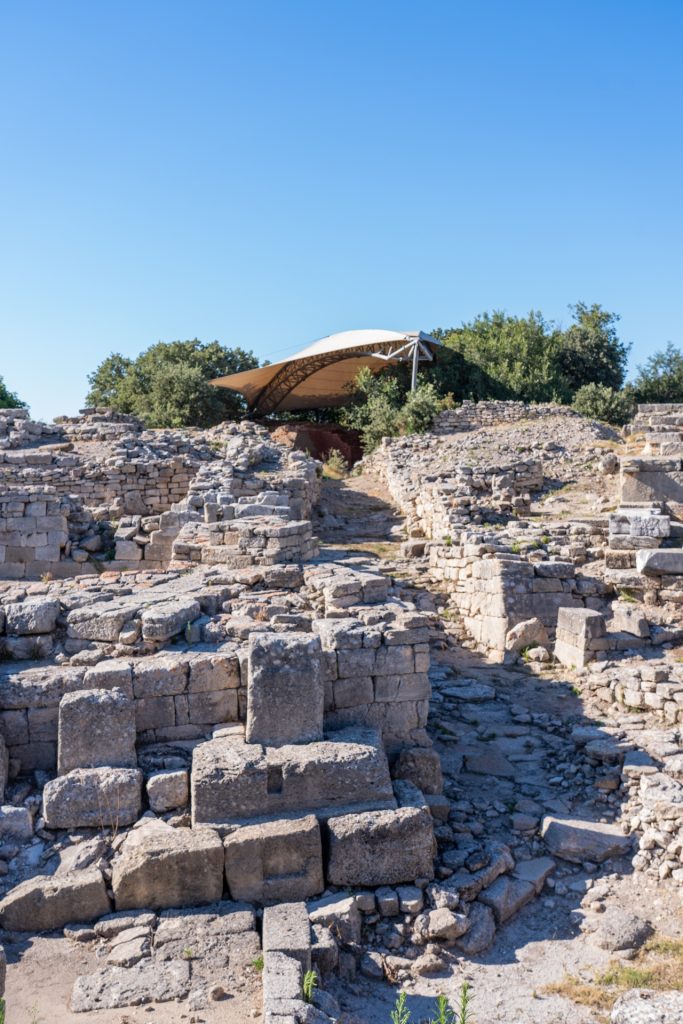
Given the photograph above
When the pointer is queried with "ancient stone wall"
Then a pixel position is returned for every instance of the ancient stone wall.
(471, 415)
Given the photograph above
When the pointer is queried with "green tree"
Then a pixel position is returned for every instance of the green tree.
(598, 402)
(509, 357)
(381, 408)
(168, 384)
(107, 383)
(590, 350)
(8, 399)
(661, 378)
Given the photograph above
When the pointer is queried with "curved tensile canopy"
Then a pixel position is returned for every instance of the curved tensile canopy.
(322, 374)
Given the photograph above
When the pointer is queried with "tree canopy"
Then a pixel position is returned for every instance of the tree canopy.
(661, 378)
(167, 385)
(532, 359)
(8, 399)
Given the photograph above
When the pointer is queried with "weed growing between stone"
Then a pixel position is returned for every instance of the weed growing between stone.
(445, 1014)
(310, 983)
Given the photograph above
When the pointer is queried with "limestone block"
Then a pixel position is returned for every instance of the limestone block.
(160, 676)
(579, 841)
(46, 902)
(629, 618)
(167, 790)
(350, 692)
(213, 708)
(340, 914)
(506, 896)
(282, 989)
(421, 766)
(93, 798)
(31, 617)
(16, 823)
(149, 981)
(396, 660)
(96, 729)
(154, 713)
(233, 781)
(160, 866)
(660, 562)
(214, 671)
(110, 673)
(530, 633)
(286, 689)
(380, 847)
(581, 622)
(287, 929)
(278, 860)
(168, 618)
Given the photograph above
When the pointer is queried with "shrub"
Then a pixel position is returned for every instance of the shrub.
(598, 402)
(335, 463)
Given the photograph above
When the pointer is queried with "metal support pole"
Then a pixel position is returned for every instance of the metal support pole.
(416, 353)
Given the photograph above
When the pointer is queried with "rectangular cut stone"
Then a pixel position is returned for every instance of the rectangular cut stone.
(278, 860)
(93, 798)
(286, 689)
(96, 729)
(235, 782)
(581, 622)
(161, 676)
(660, 562)
(380, 847)
(160, 866)
(45, 902)
(287, 929)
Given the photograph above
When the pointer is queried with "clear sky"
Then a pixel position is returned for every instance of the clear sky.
(265, 173)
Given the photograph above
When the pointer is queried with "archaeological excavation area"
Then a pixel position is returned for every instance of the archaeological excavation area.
(275, 745)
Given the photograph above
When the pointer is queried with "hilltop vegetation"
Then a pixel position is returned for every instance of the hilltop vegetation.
(494, 356)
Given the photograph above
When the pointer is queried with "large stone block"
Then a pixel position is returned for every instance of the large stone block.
(167, 790)
(287, 929)
(582, 623)
(32, 617)
(234, 782)
(96, 729)
(579, 841)
(278, 860)
(105, 798)
(160, 866)
(168, 618)
(286, 689)
(380, 847)
(51, 901)
(660, 562)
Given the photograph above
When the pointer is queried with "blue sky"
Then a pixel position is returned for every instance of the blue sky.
(266, 173)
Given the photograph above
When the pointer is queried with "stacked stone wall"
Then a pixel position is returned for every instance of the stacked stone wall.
(471, 415)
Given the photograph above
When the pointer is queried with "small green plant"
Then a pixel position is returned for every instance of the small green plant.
(400, 1013)
(464, 1012)
(188, 953)
(515, 548)
(335, 463)
(2, 1011)
(257, 964)
(444, 1013)
(626, 595)
(310, 983)
(448, 541)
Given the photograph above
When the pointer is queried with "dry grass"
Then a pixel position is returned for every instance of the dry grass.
(658, 966)
(380, 549)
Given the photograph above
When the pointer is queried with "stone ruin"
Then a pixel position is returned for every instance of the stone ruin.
(214, 733)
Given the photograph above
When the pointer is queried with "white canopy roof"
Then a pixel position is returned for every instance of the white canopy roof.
(322, 374)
